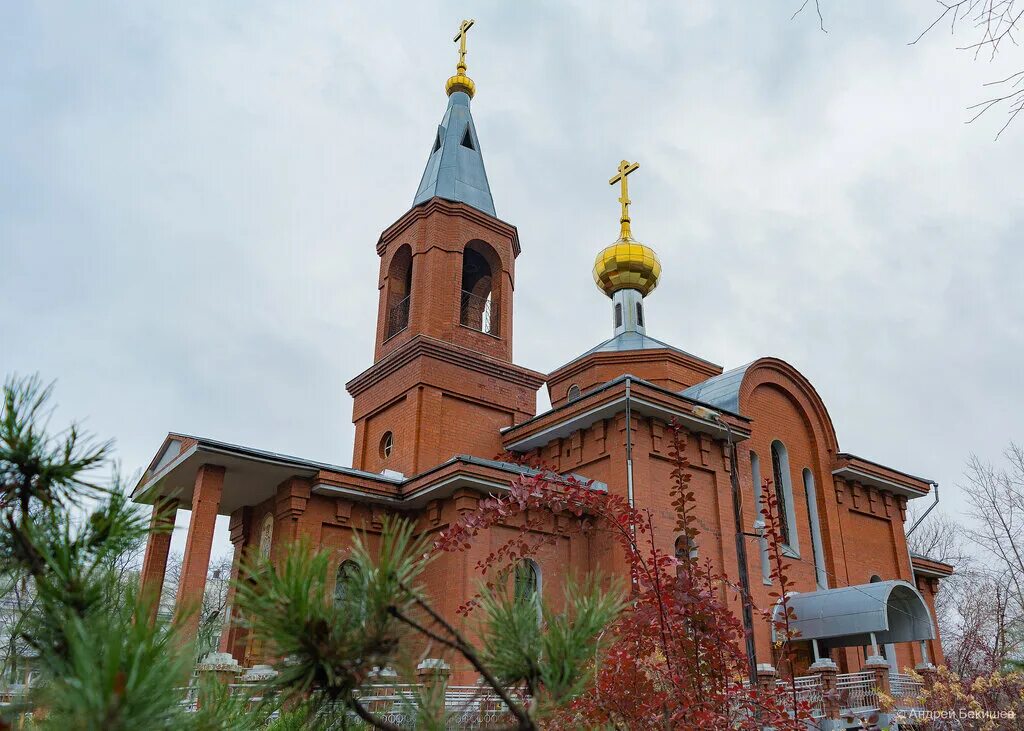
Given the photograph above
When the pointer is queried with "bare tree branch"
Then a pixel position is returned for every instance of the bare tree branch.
(994, 23)
(817, 7)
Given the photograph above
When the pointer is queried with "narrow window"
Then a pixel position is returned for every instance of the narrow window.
(527, 580)
(477, 308)
(467, 140)
(266, 535)
(784, 495)
(820, 574)
(399, 291)
(686, 547)
(574, 392)
(348, 572)
(640, 314)
(762, 542)
(618, 315)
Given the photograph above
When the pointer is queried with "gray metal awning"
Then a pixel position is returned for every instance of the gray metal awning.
(846, 617)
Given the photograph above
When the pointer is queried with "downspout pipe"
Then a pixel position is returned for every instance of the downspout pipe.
(925, 514)
(629, 472)
(629, 447)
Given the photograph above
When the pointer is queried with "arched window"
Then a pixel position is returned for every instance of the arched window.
(348, 571)
(618, 315)
(820, 574)
(574, 393)
(266, 535)
(399, 291)
(527, 580)
(387, 445)
(685, 547)
(784, 495)
(875, 578)
(762, 542)
(478, 308)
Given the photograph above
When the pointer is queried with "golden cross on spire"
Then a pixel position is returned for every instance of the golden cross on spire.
(461, 38)
(625, 168)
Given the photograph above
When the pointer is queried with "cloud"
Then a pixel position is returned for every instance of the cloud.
(191, 196)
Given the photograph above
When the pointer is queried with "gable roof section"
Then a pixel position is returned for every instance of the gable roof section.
(252, 476)
(721, 392)
(606, 401)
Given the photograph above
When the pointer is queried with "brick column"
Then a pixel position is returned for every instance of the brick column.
(205, 504)
(381, 690)
(928, 673)
(154, 566)
(828, 670)
(880, 667)
(233, 636)
(766, 678)
(433, 675)
(219, 668)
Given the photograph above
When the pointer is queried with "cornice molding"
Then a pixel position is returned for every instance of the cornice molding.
(423, 346)
(634, 356)
(447, 208)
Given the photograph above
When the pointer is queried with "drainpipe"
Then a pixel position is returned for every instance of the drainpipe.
(925, 515)
(741, 545)
(741, 554)
(910, 557)
(629, 471)
(629, 451)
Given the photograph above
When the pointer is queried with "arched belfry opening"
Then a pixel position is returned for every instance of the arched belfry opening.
(478, 307)
(399, 291)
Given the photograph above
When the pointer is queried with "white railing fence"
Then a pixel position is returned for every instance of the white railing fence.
(857, 692)
(808, 690)
(466, 706)
(905, 690)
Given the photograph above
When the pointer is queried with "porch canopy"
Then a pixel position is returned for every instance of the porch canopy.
(893, 611)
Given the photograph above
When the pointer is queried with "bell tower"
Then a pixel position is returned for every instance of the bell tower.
(443, 382)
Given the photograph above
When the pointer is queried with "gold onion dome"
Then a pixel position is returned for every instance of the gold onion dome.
(460, 82)
(626, 264)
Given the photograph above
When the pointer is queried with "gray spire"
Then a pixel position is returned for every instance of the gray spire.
(455, 168)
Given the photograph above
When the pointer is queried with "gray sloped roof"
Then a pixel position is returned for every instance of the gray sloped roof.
(631, 340)
(722, 391)
(455, 168)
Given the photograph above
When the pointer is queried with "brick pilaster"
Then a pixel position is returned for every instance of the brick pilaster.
(289, 504)
(232, 639)
(205, 504)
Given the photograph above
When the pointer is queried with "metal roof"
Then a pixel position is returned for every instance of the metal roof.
(631, 340)
(455, 168)
(893, 610)
(722, 391)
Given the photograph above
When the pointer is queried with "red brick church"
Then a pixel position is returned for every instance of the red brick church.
(442, 399)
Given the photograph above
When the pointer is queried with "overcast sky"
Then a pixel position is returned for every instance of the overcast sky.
(190, 194)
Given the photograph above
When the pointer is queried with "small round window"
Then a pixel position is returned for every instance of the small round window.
(387, 445)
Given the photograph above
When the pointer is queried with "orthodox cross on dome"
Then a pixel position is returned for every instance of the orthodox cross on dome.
(460, 38)
(625, 168)
(461, 82)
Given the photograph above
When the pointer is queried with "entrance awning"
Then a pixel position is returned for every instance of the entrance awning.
(846, 617)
